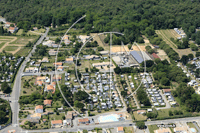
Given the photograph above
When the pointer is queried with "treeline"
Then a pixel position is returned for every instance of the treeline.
(129, 17)
(188, 97)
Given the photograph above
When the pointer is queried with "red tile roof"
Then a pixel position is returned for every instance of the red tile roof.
(155, 56)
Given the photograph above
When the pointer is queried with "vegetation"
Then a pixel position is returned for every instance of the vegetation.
(140, 124)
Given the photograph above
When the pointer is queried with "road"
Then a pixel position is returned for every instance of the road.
(17, 84)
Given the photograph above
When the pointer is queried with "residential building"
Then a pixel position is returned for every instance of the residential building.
(45, 59)
(83, 38)
(39, 109)
(60, 68)
(83, 121)
(120, 129)
(92, 57)
(36, 116)
(12, 29)
(47, 102)
(162, 130)
(56, 123)
(141, 111)
(49, 43)
(31, 70)
(52, 52)
(69, 60)
(58, 63)
(50, 88)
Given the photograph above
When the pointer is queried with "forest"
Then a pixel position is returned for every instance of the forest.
(129, 16)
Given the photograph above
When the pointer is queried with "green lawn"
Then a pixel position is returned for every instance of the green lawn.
(139, 116)
(57, 117)
(128, 130)
(191, 125)
(23, 51)
(1, 44)
(10, 48)
(20, 31)
(152, 128)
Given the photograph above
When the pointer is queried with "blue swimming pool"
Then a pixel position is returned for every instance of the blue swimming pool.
(109, 118)
(193, 130)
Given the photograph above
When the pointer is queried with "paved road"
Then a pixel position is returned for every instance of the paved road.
(17, 84)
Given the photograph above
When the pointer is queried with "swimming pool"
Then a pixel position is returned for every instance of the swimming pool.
(193, 130)
(109, 118)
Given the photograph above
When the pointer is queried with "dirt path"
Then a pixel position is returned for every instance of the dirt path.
(99, 41)
(14, 52)
(36, 32)
(7, 43)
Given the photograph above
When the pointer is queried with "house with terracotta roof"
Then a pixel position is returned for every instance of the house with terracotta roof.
(12, 29)
(58, 77)
(7, 24)
(60, 68)
(50, 88)
(56, 123)
(36, 116)
(39, 109)
(141, 111)
(47, 102)
(39, 83)
(167, 92)
(120, 129)
(69, 60)
(58, 64)
(155, 56)
(162, 130)
(45, 59)
(83, 121)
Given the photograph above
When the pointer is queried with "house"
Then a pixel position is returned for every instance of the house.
(60, 68)
(47, 102)
(12, 29)
(120, 129)
(45, 59)
(69, 60)
(31, 70)
(163, 130)
(56, 123)
(92, 57)
(182, 129)
(41, 78)
(52, 52)
(36, 116)
(35, 28)
(83, 121)
(48, 43)
(58, 63)
(50, 88)
(83, 38)
(7, 24)
(102, 64)
(155, 56)
(167, 92)
(103, 52)
(58, 77)
(39, 109)
(141, 111)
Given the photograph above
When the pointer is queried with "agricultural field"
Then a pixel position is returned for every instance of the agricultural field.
(170, 33)
(16, 44)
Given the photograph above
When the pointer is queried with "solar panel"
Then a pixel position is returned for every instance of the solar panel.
(138, 58)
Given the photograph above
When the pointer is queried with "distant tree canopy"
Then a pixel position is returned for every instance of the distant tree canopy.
(129, 17)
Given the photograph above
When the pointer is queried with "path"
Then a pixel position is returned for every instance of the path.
(14, 52)
(124, 105)
(136, 102)
(6, 44)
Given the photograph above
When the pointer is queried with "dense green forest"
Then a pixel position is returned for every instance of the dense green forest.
(128, 16)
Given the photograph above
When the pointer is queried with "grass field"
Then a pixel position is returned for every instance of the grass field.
(166, 35)
(20, 31)
(1, 44)
(29, 89)
(10, 48)
(128, 130)
(191, 125)
(152, 128)
(139, 116)
(23, 51)
(23, 40)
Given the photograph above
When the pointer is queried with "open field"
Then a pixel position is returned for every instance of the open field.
(166, 35)
(139, 117)
(15, 44)
(19, 32)
(152, 128)
(128, 129)
(11, 48)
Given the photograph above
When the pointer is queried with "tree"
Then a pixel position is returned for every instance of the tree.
(5, 87)
(117, 70)
(190, 56)
(78, 104)
(184, 59)
(85, 131)
(140, 124)
(86, 69)
(170, 113)
(151, 115)
(57, 40)
(165, 81)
